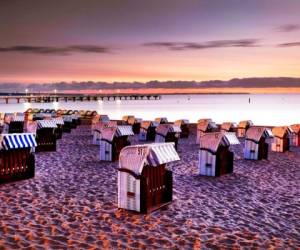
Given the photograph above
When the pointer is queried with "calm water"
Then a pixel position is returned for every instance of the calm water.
(271, 109)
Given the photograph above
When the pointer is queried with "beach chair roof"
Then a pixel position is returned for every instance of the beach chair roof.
(134, 158)
(67, 118)
(161, 119)
(181, 122)
(147, 124)
(256, 133)
(281, 131)
(109, 133)
(124, 131)
(212, 141)
(127, 117)
(245, 124)
(295, 128)
(15, 141)
(204, 119)
(43, 115)
(58, 120)
(164, 129)
(99, 126)
(18, 118)
(132, 120)
(228, 125)
(204, 124)
(103, 118)
(46, 124)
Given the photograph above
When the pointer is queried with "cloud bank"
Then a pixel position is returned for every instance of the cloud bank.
(205, 45)
(288, 28)
(294, 44)
(50, 50)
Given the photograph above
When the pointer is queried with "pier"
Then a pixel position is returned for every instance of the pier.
(47, 98)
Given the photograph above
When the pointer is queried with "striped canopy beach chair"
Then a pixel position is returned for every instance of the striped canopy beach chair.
(228, 127)
(243, 127)
(144, 183)
(281, 141)
(256, 147)
(113, 140)
(59, 121)
(15, 123)
(215, 157)
(17, 160)
(161, 120)
(45, 135)
(147, 130)
(168, 133)
(184, 126)
(205, 126)
(295, 135)
(97, 129)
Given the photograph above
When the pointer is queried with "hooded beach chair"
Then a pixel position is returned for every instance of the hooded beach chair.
(184, 126)
(135, 123)
(144, 183)
(205, 126)
(67, 123)
(295, 135)
(59, 121)
(45, 135)
(281, 141)
(16, 124)
(17, 161)
(97, 130)
(215, 157)
(147, 130)
(228, 127)
(168, 133)
(113, 140)
(161, 120)
(243, 127)
(256, 147)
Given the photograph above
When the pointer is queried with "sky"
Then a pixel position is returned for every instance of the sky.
(134, 40)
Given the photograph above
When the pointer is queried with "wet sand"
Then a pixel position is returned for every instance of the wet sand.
(72, 203)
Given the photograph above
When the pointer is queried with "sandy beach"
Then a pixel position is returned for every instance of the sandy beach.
(72, 204)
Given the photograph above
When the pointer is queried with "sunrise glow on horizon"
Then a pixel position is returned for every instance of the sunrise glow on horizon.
(110, 41)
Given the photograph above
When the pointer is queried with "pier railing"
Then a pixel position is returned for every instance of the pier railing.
(74, 97)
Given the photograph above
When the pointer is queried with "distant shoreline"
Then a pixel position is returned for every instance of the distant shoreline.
(169, 91)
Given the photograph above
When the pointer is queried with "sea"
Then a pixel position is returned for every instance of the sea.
(262, 109)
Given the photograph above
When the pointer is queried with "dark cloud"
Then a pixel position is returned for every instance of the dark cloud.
(48, 50)
(205, 45)
(294, 44)
(288, 28)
